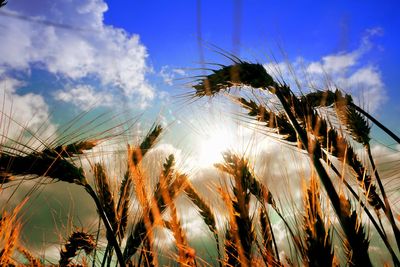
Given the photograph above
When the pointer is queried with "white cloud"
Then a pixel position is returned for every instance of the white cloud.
(84, 96)
(169, 74)
(21, 114)
(333, 63)
(83, 46)
(166, 75)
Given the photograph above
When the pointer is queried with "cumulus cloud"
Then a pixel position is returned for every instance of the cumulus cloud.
(344, 70)
(69, 38)
(333, 63)
(23, 115)
(169, 74)
(84, 96)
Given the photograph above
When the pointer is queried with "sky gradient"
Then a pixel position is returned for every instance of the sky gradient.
(96, 54)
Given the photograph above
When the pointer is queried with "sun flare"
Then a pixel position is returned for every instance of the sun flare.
(212, 147)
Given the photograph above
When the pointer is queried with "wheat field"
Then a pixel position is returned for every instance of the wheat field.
(343, 200)
(283, 177)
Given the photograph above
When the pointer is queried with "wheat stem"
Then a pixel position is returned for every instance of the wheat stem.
(110, 233)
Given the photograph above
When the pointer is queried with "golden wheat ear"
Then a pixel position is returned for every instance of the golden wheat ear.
(32, 260)
(273, 120)
(171, 182)
(241, 229)
(10, 229)
(205, 212)
(77, 241)
(123, 205)
(105, 194)
(135, 156)
(147, 144)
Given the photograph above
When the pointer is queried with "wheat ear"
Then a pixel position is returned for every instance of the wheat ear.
(139, 233)
(186, 255)
(318, 247)
(205, 212)
(337, 147)
(3, 3)
(240, 172)
(33, 261)
(77, 241)
(350, 116)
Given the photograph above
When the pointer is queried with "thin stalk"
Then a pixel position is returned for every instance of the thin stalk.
(273, 238)
(388, 210)
(97, 240)
(110, 233)
(296, 242)
(105, 256)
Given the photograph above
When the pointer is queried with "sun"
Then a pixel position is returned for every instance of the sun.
(212, 147)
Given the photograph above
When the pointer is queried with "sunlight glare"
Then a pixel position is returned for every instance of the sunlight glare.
(213, 146)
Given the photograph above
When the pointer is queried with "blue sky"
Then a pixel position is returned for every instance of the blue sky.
(308, 29)
(303, 28)
(129, 53)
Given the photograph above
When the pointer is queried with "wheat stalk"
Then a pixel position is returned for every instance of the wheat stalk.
(268, 240)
